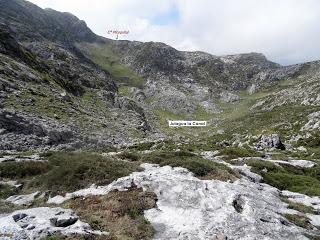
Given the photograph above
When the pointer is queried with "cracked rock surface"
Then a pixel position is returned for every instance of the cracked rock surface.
(36, 223)
(190, 208)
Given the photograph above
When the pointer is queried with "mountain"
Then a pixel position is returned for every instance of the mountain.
(78, 109)
(103, 93)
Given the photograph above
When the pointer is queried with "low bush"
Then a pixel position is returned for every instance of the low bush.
(286, 177)
(120, 212)
(131, 156)
(199, 166)
(72, 171)
(298, 206)
(234, 152)
(298, 220)
(14, 170)
(7, 191)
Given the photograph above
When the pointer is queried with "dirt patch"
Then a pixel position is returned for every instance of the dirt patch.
(120, 213)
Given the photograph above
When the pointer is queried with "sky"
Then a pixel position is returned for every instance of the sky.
(286, 31)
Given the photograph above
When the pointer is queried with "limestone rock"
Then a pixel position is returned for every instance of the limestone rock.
(270, 142)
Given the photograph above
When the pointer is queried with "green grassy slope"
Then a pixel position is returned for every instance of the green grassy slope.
(109, 60)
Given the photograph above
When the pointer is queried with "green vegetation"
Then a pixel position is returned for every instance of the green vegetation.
(7, 191)
(235, 152)
(165, 115)
(7, 207)
(120, 212)
(124, 91)
(65, 172)
(298, 206)
(131, 156)
(73, 171)
(311, 142)
(106, 57)
(298, 220)
(201, 167)
(142, 146)
(234, 111)
(14, 170)
(286, 177)
(91, 100)
(40, 105)
(202, 114)
(278, 120)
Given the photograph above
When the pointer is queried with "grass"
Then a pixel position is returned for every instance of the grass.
(109, 60)
(14, 170)
(124, 91)
(44, 105)
(202, 168)
(142, 146)
(71, 171)
(235, 152)
(278, 120)
(164, 115)
(131, 156)
(7, 191)
(233, 111)
(285, 177)
(91, 100)
(299, 220)
(298, 206)
(311, 142)
(120, 213)
(7, 207)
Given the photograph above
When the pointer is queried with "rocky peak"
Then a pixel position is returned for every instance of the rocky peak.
(30, 22)
(256, 59)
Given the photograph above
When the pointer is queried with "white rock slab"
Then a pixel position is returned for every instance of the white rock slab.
(190, 208)
(23, 199)
(304, 199)
(36, 223)
(296, 163)
(13, 158)
(11, 184)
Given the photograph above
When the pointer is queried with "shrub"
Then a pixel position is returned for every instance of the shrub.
(7, 191)
(120, 212)
(199, 166)
(286, 177)
(131, 156)
(15, 170)
(233, 152)
(298, 220)
(71, 171)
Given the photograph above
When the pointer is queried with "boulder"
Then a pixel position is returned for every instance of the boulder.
(228, 97)
(270, 142)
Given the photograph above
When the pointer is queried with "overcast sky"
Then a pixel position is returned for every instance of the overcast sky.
(286, 31)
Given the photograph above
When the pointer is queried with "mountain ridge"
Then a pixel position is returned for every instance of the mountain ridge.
(148, 83)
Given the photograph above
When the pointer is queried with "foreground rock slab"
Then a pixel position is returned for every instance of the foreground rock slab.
(190, 208)
(24, 200)
(36, 223)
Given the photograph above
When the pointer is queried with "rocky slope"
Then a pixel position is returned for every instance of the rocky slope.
(57, 74)
(252, 173)
(48, 85)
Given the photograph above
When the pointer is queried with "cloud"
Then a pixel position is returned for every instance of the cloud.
(285, 31)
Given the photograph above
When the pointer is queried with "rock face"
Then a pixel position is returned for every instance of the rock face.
(313, 124)
(269, 142)
(189, 208)
(229, 97)
(182, 81)
(51, 95)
